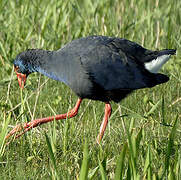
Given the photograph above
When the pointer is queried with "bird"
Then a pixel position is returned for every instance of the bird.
(95, 67)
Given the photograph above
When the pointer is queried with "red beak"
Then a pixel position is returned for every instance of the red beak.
(21, 79)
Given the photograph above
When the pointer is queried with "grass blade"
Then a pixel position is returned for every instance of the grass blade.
(132, 152)
(147, 169)
(120, 163)
(3, 133)
(92, 173)
(153, 108)
(102, 171)
(170, 147)
(52, 157)
(85, 163)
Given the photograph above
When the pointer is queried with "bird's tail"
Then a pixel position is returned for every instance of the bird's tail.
(157, 79)
(161, 78)
(163, 56)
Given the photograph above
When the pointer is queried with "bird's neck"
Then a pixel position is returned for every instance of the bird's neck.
(37, 58)
(53, 64)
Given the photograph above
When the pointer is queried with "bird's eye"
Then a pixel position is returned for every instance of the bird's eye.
(16, 68)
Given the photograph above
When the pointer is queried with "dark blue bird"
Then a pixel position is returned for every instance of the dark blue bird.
(95, 67)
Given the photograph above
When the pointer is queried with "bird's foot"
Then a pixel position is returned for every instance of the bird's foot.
(21, 129)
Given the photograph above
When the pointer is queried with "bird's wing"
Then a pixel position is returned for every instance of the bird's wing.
(113, 66)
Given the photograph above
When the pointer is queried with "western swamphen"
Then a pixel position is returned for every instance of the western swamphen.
(95, 67)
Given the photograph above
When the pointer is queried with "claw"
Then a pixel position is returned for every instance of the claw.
(16, 129)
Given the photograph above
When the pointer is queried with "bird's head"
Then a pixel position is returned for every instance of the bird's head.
(28, 62)
(23, 67)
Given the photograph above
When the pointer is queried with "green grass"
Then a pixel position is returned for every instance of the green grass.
(143, 138)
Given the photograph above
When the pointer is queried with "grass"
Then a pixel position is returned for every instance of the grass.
(143, 138)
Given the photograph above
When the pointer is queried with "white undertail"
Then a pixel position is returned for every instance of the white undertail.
(155, 65)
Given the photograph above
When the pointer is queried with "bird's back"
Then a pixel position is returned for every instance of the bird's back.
(104, 68)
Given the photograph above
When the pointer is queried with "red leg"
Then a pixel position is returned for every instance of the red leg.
(107, 114)
(28, 126)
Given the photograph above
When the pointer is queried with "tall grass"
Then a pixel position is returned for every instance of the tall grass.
(143, 138)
